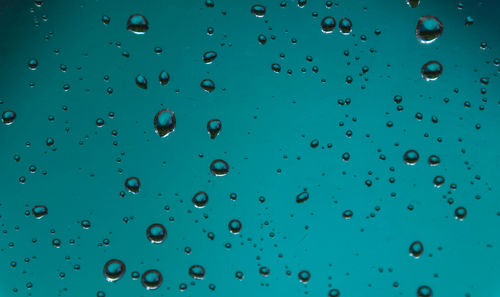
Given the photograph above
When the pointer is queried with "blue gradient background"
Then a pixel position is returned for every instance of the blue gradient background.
(265, 116)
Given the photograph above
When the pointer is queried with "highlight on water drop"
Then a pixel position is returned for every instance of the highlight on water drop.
(132, 184)
(152, 279)
(213, 127)
(219, 167)
(156, 233)
(113, 270)
(431, 70)
(137, 24)
(429, 28)
(164, 122)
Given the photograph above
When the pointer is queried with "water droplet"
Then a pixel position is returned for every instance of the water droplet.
(431, 70)
(137, 24)
(164, 122)
(39, 211)
(8, 117)
(438, 181)
(416, 249)
(106, 19)
(424, 291)
(429, 28)
(262, 39)
(302, 197)
(258, 10)
(276, 67)
(460, 213)
(132, 184)
(141, 81)
(164, 77)
(239, 275)
(234, 226)
(200, 199)
(32, 64)
(209, 57)
(151, 279)
(301, 3)
(304, 276)
(207, 85)
(209, 3)
(213, 127)
(219, 167)
(333, 293)
(413, 3)
(411, 157)
(85, 224)
(156, 233)
(328, 24)
(264, 271)
(197, 272)
(345, 26)
(433, 160)
(114, 270)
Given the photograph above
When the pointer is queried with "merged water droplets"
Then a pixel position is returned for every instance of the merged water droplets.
(114, 270)
(164, 122)
(197, 272)
(258, 10)
(429, 28)
(219, 167)
(8, 117)
(431, 70)
(156, 233)
(328, 24)
(152, 279)
(213, 127)
(137, 24)
(132, 184)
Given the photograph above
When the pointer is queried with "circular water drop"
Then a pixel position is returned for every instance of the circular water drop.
(264, 271)
(207, 85)
(301, 3)
(8, 117)
(156, 233)
(32, 64)
(137, 24)
(258, 10)
(304, 276)
(431, 70)
(200, 199)
(164, 77)
(347, 214)
(411, 157)
(276, 67)
(333, 293)
(429, 28)
(345, 26)
(151, 279)
(460, 213)
(141, 81)
(164, 122)
(114, 270)
(424, 291)
(219, 167)
(234, 226)
(416, 249)
(85, 224)
(132, 184)
(302, 197)
(197, 272)
(213, 128)
(433, 160)
(106, 19)
(328, 24)
(438, 181)
(209, 57)
(39, 211)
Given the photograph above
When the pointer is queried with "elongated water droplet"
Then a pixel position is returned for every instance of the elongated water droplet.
(213, 127)
(141, 81)
(164, 122)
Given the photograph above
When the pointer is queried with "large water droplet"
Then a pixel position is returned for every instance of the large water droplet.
(207, 85)
(132, 184)
(209, 57)
(8, 117)
(200, 199)
(219, 167)
(328, 24)
(137, 24)
(429, 28)
(114, 270)
(156, 233)
(345, 26)
(234, 226)
(151, 279)
(411, 157)
(141, 81)
(164, 122)
(431, 70)
(416, 249)
(258, 10)
(197, 272)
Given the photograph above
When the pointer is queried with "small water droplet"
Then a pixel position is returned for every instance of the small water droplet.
(164, 77)
(197, 272)
(345, 26)
(234, 226)
(328, 24)
(258, 10)
(207, 85)
(132, 184)
(200, 199)
(39, 211)
(416, 249)
(141, 81)
(214, 126)
(209, 57)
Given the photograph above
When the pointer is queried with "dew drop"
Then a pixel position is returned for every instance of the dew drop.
(197, 272)
(141, 81)
(416, 249)
(209, 57)
(302, 197)
(164, 122)
(345, 26)
(151, 279)
(304, 276)
(200, 199)
(8, 117)
(234, 226)
(207, 85)
(39, 211)
(328, 24)
(258, 10)
(114, 270)
(429, 28)
(132, 184)
(137, 24)
(156, 233)
(411, 157)
(219, 167)
(431, 70)
(164, 77)
(213, 128)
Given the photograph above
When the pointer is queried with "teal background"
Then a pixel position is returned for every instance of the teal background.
(265, 116)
